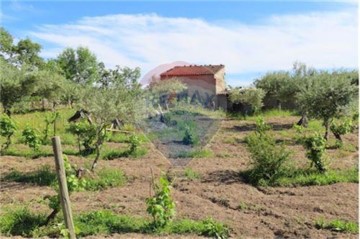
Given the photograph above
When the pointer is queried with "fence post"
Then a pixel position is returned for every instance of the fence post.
(64, 194)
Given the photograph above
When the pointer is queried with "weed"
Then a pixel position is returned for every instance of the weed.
(338, 225)
(105, 178)
(191, 174)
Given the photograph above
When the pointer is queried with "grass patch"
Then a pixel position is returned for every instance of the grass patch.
(199, 153)
(26, 152)
(106, 222)
(338, 226)
(105, 178)
(191, 174)
(42, 177)
(311, 177)
(126, 153)
(20, 221)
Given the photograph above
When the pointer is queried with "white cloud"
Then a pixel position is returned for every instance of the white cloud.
(320, 39)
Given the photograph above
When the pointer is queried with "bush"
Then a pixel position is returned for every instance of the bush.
(86, 134)
(341, 128)
(315, 146)
(190, 138)
(161, 206)
(31, 138)
(267, 159)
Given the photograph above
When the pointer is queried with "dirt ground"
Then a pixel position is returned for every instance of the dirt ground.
(220, 193)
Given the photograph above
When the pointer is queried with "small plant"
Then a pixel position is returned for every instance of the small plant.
(190, 138)
(341, 128)
(31, 138)
(338, 225)
(261, 125)
(86, 134)
(50, 119)
(298, 128)
(268, 159)
(215, 230)
(315, 146)
(161, 206)
(134, 141)
(7, 129)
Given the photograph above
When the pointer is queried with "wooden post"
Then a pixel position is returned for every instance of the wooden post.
(64, 194)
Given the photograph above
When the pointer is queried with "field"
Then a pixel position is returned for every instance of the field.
(206, 185)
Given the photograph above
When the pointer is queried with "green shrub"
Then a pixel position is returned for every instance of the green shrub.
(267, 159)
(31, 138)
(315, 146)
(338, 225)
(343, 127)
(261, 125)
(134, 141)
(85, 133)
(215, 230)
(20, 222)
(7, 129)
(190, 138)
(161, 206)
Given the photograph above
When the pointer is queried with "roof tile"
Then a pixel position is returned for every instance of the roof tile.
(192, 70)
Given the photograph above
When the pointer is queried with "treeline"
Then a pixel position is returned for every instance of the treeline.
(315, 93)
(27, 78)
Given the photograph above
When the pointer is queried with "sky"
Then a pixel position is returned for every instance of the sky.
(249, 37)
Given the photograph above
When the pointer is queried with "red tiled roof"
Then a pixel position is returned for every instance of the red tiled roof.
(192, 70)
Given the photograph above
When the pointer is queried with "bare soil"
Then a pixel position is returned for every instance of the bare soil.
(220, 193)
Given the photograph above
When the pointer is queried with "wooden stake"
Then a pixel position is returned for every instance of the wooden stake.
(64, 194)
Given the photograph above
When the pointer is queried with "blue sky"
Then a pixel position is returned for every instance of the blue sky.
(248, 37)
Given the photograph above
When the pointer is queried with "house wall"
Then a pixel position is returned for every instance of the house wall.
(220, 81)
(203, 86)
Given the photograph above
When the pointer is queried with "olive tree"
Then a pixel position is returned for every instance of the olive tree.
(15, 85)
(123, 100)
(325, 95)
(248, 96)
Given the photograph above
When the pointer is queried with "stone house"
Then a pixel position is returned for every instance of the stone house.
(205, 83)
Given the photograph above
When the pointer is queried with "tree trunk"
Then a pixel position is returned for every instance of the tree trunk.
(303, 121)
(327, 125)
(51, 216)
(97, 148)
(337, 136)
